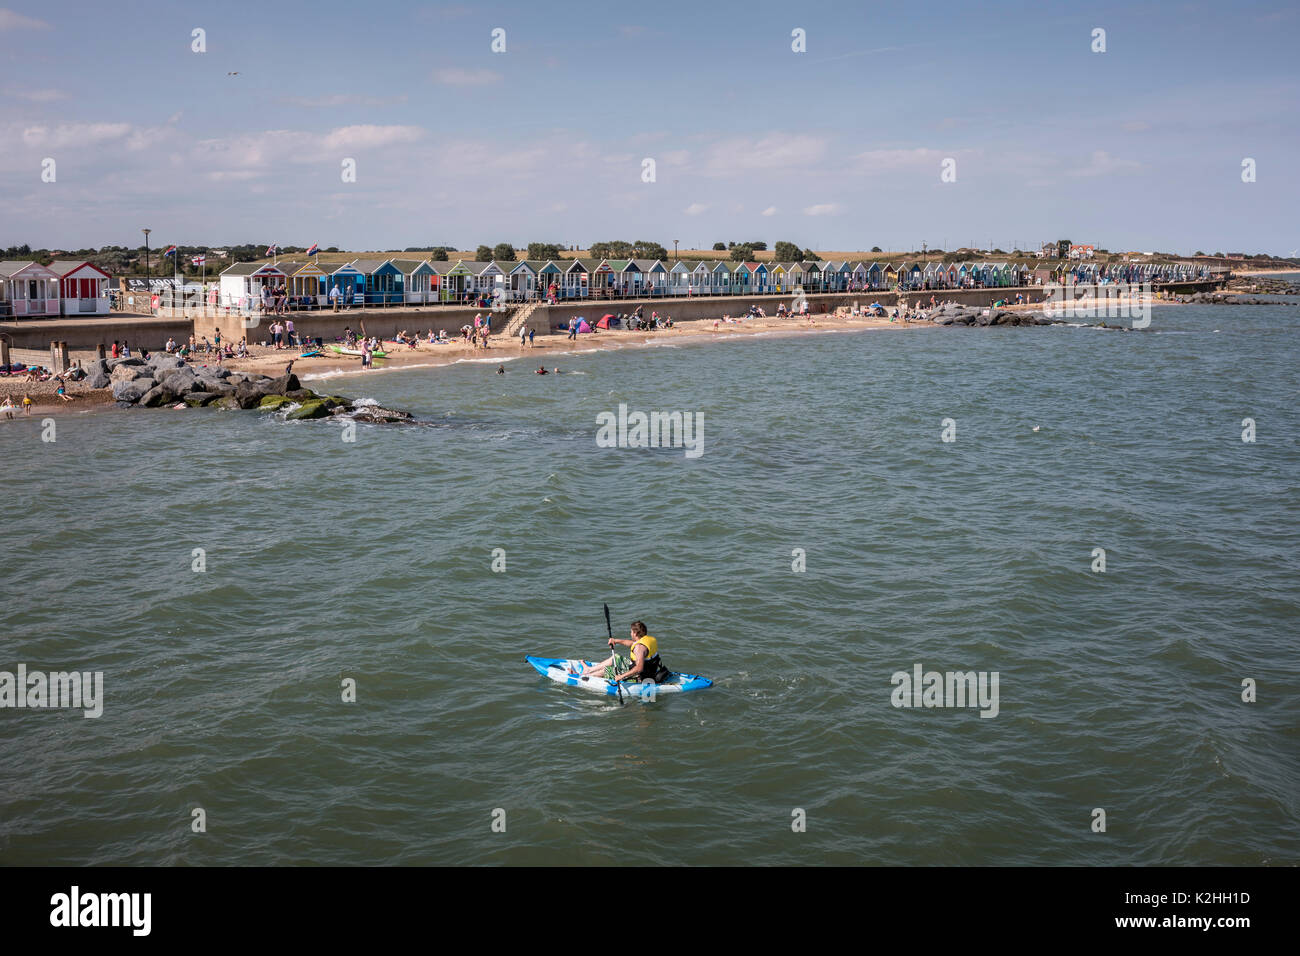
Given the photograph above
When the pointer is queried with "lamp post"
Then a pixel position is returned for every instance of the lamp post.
(146, 253)
(675, 241)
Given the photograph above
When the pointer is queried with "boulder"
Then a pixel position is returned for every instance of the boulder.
(250, 394)
(158, 395)
(380, 415)
(301, 394)
(284, 385)
(272, 402)
(1002, 317)
(199, 399)
(181, 380)
(226, 401)
(127, 373)
(117, 362)
(316, 408)
(129, 392)
(97, 376)
(162, 360)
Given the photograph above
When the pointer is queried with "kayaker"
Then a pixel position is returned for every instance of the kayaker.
(642, 664)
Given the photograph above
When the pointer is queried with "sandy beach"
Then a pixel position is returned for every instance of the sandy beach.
(547, 350)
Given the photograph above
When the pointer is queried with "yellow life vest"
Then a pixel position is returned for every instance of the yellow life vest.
(649, 643)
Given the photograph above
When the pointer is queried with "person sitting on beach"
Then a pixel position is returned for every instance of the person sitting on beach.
(242, 351)
(62, 390)
(171, 345)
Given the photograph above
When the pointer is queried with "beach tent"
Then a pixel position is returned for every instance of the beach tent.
(583, 326)
(609, 320)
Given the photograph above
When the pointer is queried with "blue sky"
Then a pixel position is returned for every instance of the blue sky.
(840, 147)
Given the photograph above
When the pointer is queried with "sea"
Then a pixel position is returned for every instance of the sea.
(311, 637)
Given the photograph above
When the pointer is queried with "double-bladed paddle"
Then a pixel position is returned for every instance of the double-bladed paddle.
(610, 631)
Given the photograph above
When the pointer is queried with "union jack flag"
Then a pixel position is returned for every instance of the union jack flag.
(271, 249)
(171, 251)
(313, 250)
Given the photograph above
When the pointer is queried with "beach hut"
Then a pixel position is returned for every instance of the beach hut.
(796, 278)
(679, 278)
(637, 275)
(656, 278)
(242, 283)
(307, 283)
(550, 279)
(577, 279)
(776, 277)
(759, 278)
(701, 282)
(859, 277)
(721, 277)
(485, 279)
(915, 276)
(932, 275)
(371, 293)
(30, 289)
(351, 283)
(742, 279)
(83, 287)
(419, 284)
(876, 277)
(602, 278)
(523, 280)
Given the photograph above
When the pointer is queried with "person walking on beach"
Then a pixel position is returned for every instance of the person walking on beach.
(27, 404)
(117, 350)
(288, 332)
(531, 334)
(523, 336)
(334, 296)
(7, 406)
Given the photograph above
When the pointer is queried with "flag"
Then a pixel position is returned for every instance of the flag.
(270, 250)
(198, 260)
(315, 248)
(171, 251)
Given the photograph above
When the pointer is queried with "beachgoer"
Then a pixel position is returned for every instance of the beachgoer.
(541, 370)
(7, 406)
(335, 293)
(641, 664)
(501, 370)
(27, 404)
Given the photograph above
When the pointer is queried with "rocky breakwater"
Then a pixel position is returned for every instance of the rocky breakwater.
(1236, 298)
(955, 314)
(167, 380)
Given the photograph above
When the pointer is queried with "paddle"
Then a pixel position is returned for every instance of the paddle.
(610, 631)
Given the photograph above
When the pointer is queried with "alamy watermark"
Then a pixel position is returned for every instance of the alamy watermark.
(38, 690)
(923, 688)
(654, 430)
(1119, 300)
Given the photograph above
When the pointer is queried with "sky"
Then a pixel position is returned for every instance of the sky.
(949, 124)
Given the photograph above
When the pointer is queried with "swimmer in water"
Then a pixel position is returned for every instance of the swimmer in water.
(501, 370)
(541, 370)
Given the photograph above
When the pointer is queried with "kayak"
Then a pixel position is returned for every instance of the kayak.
(341, 350)
(311, 354)
(563, 671)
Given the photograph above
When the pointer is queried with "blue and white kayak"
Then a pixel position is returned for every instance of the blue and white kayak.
(566, 672)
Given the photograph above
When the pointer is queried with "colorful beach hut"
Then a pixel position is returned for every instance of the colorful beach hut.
(31, 290)
(83, 287)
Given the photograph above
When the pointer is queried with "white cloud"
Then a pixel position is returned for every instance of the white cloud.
(455, 76)
(822, 209)
(695, 209)
(769, 211)
(727, 157)
(889, 160)
(370, 137)
(74, 134)
(9, 20)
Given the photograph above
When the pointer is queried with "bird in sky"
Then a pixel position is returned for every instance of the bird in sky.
(236, 73)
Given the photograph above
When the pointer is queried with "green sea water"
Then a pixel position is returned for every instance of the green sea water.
(825, 539)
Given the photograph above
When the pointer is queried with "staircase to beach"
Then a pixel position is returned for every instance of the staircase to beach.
(519, 318)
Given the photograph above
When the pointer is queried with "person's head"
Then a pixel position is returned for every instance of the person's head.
(638, 629)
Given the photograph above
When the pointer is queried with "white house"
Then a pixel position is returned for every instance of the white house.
(28, 290)
(83, 287)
